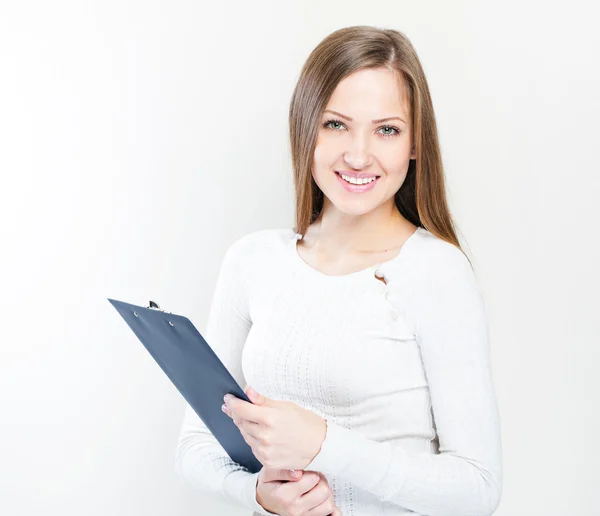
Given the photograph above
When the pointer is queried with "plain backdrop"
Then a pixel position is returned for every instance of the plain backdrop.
(139, 139)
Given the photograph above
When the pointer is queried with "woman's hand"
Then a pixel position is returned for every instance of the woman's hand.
(281, 434)
(279, 492)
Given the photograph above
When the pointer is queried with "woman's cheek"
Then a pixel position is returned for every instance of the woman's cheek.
(319, 154)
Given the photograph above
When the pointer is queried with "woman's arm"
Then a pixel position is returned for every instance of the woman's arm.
(200, 459)
(450, 323)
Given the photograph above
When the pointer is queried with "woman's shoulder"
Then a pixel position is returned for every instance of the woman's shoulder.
(439, 252)
(432, 259)
(433, 272)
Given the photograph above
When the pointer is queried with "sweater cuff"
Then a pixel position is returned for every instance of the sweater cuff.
(241, 486)
(349, 454)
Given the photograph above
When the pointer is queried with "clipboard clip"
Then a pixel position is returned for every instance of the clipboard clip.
(154, 306)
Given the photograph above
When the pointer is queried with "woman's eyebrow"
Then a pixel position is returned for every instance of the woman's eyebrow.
(378, 121)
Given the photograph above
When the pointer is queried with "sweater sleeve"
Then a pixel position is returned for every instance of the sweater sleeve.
(449, 319)
(200, 460)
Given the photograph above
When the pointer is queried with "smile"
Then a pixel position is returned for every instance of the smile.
(354, 185)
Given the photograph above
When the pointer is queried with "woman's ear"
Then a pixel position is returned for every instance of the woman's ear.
(413, 153)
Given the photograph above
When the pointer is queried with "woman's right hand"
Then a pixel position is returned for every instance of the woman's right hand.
(279, 492)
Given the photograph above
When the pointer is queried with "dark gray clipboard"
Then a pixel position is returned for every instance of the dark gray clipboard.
(193, 367)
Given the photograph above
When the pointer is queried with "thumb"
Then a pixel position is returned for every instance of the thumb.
(255, 397)
(276, 474)
(295, 473)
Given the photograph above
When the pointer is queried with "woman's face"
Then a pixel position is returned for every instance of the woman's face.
(353, 140)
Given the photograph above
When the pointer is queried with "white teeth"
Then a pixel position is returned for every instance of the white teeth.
(356, 181)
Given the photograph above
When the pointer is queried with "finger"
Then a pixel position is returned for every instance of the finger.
(308, 481)
(319, 500)
(271, 474)
(296, 474)
(251, 428)
(249, 411)
(250, 440)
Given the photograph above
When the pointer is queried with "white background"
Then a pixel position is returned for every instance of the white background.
(138, 139)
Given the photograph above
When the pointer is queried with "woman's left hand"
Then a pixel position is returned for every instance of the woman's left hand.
(280, 433)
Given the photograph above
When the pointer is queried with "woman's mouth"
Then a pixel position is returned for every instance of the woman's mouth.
(363, 185)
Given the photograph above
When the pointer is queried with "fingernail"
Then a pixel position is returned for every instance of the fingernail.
(224, 408)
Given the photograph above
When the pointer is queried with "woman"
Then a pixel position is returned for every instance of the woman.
(362, 332)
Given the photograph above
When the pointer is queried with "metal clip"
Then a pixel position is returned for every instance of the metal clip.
(154, 306)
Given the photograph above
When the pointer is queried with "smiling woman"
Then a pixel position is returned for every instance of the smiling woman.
(378, 155)
(369, 114)
(362, 329)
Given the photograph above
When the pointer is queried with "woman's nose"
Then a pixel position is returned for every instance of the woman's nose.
(358, 158)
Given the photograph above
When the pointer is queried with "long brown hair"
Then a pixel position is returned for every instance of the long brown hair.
(422, 197)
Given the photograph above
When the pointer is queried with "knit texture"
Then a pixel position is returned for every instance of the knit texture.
(399, 369)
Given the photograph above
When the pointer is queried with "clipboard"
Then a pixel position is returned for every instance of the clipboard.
(194, 368)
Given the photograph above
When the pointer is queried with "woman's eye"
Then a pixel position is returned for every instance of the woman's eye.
(333, 124)
(326, 125)
(392, 128)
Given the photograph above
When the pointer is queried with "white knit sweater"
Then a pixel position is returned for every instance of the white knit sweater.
(401, 372)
